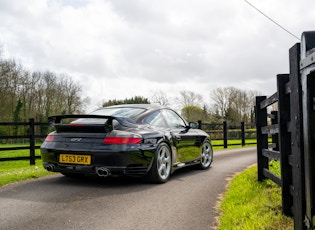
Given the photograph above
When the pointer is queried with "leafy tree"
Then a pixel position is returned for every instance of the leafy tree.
(137, 100)
(132, 100)
(193, 113)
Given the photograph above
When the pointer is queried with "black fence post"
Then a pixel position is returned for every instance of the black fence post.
(32, 141)
(225, 135)
(296, 127)
(243, 133)
(262, 139)
(283, 143)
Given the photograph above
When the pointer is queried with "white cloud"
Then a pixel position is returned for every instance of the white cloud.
(122, 48)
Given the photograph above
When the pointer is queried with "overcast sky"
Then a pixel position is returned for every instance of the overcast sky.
(117, 49)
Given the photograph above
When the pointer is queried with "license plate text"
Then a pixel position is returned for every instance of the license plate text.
(75, 159)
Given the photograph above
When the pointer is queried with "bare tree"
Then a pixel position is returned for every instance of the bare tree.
(189, 98)
(220, 96)
(252, 103)
(234, 105)
(24, 94)
(71, 93)
(10, 87)
(159, 97)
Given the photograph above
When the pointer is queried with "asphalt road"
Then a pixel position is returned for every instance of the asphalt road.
(186, 201)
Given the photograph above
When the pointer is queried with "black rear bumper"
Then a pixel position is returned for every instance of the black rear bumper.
(133, 163)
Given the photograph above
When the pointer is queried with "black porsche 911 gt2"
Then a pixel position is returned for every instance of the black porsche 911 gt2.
(133, 140)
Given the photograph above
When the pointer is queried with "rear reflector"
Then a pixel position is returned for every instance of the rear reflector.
(110, 140)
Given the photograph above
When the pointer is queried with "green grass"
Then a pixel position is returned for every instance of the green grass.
(14, 171)
(249, 204)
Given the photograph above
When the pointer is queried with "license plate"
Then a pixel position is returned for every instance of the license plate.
(75, 159)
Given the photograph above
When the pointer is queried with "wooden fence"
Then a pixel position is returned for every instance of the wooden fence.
(224, 131)
(292, 128)
(30, 136)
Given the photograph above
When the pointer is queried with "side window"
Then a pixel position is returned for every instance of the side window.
(173, 120)
(156, 119)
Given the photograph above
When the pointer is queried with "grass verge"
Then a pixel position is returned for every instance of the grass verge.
(11, 172)
(15, 171)
(249, 204)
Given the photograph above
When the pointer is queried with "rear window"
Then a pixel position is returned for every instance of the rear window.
(115, 112)
(119, 112)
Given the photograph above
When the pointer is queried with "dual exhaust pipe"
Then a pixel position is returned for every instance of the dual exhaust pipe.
(103, 172)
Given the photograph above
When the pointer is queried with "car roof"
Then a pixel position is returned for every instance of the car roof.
(143, 106)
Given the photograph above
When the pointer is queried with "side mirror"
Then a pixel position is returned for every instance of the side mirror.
(193, 125)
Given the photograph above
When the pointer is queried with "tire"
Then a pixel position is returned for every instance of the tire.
(162, 165)
(206, 157)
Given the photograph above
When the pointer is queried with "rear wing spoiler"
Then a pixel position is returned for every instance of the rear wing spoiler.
(108, 125)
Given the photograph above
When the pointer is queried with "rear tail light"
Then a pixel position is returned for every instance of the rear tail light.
(50, 138)
(122, 138)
